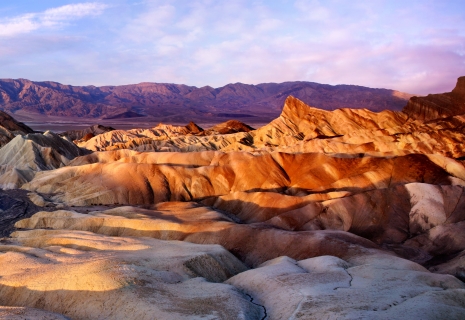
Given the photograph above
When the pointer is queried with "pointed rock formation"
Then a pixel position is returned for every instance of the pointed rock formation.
(228, 127)
(435, 106)
(193, 128)
(9, 128)
(25, 155)
(93, 130)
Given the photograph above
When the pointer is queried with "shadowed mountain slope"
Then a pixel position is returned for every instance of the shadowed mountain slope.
(9, 128)
(181, 103)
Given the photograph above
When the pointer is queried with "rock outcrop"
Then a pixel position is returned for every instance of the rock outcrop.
(9, 128)
(372, 287)
(129, 182)
(9, 123)
(87, 276)
(301, 128)
(25, 155)
(228, 127)
(86, 133)
(435, 106)
(330, 267)
(14, 205)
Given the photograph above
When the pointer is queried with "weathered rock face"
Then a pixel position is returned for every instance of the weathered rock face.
(14, 205)
(369, 288)
(435, 106)
(459, 90)
(87, 276)
(357, 277)
(252, 243)
(25, 155)
(9, 128)
(228, 127)
(128, 182)
(302, 128)
(89, 132)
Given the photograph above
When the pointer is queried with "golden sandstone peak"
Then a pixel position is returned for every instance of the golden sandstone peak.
(294, 107)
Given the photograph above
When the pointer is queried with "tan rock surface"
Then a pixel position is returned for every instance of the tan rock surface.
(252, 243)
(88, 276)
(367, 277)
(301, 128)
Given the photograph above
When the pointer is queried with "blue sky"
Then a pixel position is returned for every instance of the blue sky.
(412, 46)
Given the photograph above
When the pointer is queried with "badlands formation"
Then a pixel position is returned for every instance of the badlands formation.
(344, 214)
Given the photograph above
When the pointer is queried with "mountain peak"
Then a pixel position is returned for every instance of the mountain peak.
(459, 89)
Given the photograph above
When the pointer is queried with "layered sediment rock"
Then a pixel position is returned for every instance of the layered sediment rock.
(9, 128)
(435, 106)
(330, 267)
(25, 155)
(87, 276)
(87, 133)
(301, 128)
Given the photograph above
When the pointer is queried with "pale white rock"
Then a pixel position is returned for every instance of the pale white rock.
(427, 207)
(25, 155)
(372, 288)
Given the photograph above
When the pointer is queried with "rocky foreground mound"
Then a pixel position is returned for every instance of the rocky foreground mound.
(320, 214)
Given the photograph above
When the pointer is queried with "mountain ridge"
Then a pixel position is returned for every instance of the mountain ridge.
(183, 103)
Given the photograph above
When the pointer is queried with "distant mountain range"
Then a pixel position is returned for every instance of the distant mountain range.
(182, 103)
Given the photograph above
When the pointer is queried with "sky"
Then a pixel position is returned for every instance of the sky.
(411, 46)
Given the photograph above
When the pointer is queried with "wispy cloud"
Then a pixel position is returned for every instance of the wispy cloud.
(49, 18)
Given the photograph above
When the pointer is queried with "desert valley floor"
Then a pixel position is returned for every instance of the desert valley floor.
(344, 214)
